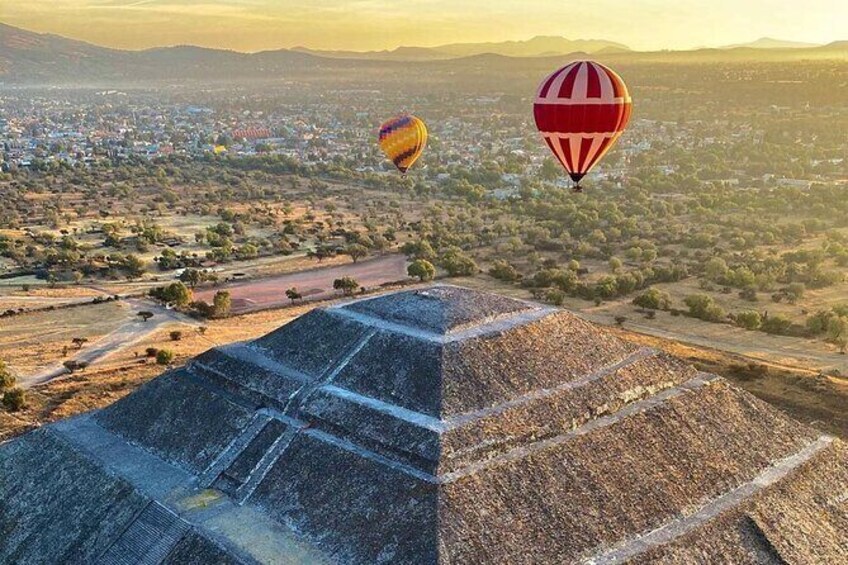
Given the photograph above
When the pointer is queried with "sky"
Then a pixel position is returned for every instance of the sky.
(254, 25)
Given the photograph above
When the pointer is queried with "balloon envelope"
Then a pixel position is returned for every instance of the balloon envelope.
(402, 140)
(581, 110)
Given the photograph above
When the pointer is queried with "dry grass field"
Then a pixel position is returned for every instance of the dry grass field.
(31, 341)
(37, 297)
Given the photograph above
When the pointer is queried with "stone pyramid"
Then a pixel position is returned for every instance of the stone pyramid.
(439, 425)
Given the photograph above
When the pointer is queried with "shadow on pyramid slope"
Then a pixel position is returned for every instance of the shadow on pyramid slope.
(436, 426)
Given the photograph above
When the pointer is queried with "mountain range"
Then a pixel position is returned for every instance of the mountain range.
(36, 58)
(539, 46)
(772, 43)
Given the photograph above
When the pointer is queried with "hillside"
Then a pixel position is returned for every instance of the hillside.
(34, 58)
(772, 43)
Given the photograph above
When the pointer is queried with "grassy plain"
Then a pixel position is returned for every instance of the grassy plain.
(37, 339)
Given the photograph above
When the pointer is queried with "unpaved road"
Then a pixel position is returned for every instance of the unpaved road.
(131, 332)
(312, 284)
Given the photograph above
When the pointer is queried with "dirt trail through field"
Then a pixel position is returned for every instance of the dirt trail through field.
(129, 333)
(313, 284)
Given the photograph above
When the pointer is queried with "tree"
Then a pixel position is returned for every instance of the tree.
(176, 335)
(14, 399)
(503, 271)
(716, 270)
(742, 277)
(222, 304)
(564, 280)
(292, 294)
(837, 332)
(419, 250)
(458, 264)
(322, 252)
(776, 324)
(619, 320)
(356, 251)
(653, 299)
(134, 266)
(704, 307)
(615, 264)
(191, 277)
(795, 292)
(144, 315)
(421, 268)
(176, 293)
(555, 296)
(346, 284)
(164, 357)
(79, 341)
(749, 319)
(7, 379)
(606, 287)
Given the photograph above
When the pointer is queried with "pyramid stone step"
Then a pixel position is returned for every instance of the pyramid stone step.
(268, 459)
(246, 462)
(148, 539)
(232, 452)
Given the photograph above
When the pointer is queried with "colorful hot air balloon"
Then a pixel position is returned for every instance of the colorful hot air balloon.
(402, 140)
(581, 111)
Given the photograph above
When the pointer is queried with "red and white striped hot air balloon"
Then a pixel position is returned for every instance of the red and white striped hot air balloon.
(581, 111)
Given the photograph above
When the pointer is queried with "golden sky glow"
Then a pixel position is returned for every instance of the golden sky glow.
(253, 25)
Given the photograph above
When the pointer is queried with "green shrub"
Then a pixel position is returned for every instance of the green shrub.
(164, 357)
(14, 399)
(750, 320)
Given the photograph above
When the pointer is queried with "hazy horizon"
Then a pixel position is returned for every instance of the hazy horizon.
(364, 25)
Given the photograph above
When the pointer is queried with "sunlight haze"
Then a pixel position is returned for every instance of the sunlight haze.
(253, 25)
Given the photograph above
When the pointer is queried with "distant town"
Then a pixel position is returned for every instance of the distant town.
(495, 133)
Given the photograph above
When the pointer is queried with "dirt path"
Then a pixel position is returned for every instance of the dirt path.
(312, 284)
(129, 333)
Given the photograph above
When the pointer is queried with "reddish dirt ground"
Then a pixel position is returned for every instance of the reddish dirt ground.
(312, 284)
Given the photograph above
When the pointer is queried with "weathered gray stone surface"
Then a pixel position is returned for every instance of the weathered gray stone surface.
(178, 418)
(379, 514)
(245, 372)
(399, 370)
(56, 506)
(313, 342)
(148, 539)
(434, 426)
(195, 549)
(441, 309)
